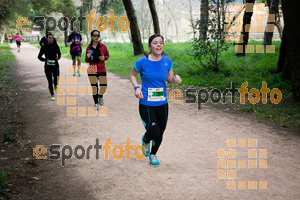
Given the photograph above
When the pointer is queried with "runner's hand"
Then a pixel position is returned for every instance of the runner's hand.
(101, 58)
(177, 78)
(138, 93)
(88, 55)
(73, 40)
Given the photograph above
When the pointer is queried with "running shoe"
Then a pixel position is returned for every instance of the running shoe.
(96, 106)
(153, 160)
(78, 72)
(101, 102)
(52, 98)
(146, 149)
(55, 87)
(74, 74)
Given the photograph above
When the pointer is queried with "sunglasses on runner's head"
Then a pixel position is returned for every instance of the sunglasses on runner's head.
(96, 35)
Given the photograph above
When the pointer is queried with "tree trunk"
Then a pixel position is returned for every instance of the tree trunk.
(134, 28)
(273, 10)
(154, 16)
(203, 20)
(279, 27)
(281, 65)
(291, 33)
(246, 21)
(66, 37)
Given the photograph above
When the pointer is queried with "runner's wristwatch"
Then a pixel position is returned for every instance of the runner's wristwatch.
(136, 87)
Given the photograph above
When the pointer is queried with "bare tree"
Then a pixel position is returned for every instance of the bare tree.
(154, 16)
(174, 18)
(189, 7)
(203, 20)
(134, 28)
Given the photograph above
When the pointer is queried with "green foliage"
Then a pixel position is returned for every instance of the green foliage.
(208, 50)
(6, 61)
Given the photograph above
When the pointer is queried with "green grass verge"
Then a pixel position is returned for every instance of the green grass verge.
(6, 62)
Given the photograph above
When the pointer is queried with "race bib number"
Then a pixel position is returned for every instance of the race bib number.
(156, 94)
(51, 62)
(76, 41)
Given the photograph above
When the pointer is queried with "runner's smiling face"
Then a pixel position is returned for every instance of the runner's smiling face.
(157, 46)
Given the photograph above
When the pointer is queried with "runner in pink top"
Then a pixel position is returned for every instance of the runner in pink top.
(18, 41)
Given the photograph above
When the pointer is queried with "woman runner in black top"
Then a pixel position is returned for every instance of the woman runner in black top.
(52, 55)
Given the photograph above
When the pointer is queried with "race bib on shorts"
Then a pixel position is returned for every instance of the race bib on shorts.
(156, 94)
(51, 62)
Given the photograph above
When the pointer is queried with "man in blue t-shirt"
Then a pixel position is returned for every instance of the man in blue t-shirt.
(75, 41)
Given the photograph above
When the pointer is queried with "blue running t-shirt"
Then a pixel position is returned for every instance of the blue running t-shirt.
(154, 75)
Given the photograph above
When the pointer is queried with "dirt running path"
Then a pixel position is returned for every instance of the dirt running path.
(188, 154)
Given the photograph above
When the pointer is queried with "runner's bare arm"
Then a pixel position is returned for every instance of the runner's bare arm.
(138, 91)
(172, 79)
